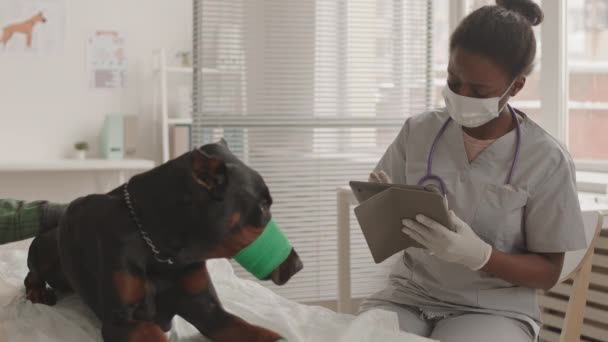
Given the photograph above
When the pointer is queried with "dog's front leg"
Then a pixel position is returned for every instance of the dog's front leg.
(125, 301)
(127, 315)
(200, 306)
(126, 312)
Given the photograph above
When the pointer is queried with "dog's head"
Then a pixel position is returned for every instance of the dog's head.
(41, 17)
(215, 205)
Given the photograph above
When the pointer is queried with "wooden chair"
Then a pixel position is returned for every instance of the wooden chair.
(564, 305)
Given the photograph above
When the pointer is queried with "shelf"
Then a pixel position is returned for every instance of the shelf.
(179, 70)
(76, 165)
(220, 72)
(164, 72)
(206, 71)
(179, 121)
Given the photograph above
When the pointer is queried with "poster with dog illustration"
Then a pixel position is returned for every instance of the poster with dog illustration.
(31, 26)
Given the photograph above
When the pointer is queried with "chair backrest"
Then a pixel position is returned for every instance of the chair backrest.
(572, 261)
(578, 265)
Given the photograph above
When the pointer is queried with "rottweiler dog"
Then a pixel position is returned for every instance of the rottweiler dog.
(137, 254)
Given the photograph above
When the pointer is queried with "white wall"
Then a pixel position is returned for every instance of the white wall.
(45, 102)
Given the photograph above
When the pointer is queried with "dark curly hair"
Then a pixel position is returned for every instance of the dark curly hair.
(503, 33)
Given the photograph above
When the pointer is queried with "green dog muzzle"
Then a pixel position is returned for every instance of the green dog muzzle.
(266, 253)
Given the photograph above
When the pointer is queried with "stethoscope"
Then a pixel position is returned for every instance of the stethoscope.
(429, 163)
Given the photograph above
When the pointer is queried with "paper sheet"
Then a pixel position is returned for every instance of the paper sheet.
(106, 60)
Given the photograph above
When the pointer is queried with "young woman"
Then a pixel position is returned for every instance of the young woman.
(510, 187)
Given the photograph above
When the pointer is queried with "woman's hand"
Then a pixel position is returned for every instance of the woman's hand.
(532, 270)
(379, 177)
(461, 245)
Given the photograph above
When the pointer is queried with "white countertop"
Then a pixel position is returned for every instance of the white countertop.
(75, 165)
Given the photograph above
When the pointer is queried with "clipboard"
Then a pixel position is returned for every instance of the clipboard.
(366, 190)
(383, 206)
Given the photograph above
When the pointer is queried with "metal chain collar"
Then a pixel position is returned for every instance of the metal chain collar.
(142, 232)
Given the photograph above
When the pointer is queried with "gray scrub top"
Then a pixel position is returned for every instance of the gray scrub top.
(538, 212)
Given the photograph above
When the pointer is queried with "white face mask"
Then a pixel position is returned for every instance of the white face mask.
(471, 111)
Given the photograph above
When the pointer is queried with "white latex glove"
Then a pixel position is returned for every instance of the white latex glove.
(379, 177)
(461, 246)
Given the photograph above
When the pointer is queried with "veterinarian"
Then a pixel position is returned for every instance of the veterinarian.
(20, 220)
(510, 185)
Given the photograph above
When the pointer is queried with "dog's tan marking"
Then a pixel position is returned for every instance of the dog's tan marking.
(146, 332)
(195, 282)
(235, 219)
(235, 241)
(131, 289)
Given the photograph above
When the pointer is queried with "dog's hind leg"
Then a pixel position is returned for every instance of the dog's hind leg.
(36, 290)
(45, 268)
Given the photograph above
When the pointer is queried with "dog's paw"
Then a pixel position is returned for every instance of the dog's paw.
(270, 336)
(43, 296)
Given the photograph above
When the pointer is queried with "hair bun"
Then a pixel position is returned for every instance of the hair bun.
(527, 8)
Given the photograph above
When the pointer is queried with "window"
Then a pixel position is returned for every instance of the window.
(588, 73)
(310, 94)
(441, 48)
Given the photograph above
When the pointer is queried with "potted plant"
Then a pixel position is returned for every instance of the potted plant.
(81, 149)
(185, 58)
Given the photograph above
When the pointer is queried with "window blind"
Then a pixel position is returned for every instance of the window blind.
(310, 94)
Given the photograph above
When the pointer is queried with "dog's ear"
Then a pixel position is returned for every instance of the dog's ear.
(207, 170)
(223, 142)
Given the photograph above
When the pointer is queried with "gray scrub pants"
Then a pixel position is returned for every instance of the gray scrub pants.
(460, 328)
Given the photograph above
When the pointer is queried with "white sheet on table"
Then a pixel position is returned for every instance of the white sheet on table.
(71, 320)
